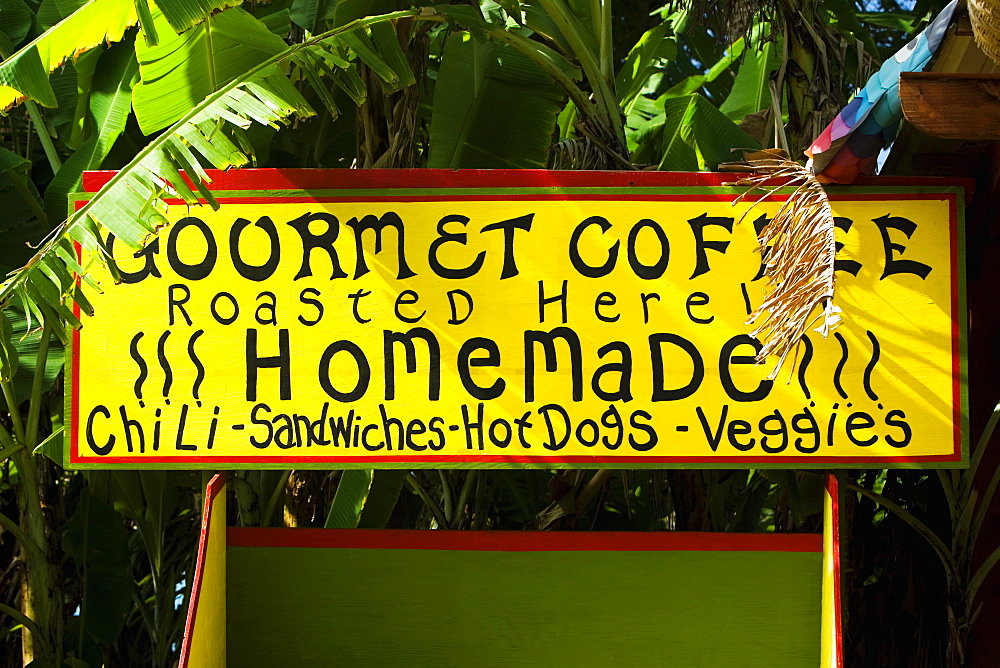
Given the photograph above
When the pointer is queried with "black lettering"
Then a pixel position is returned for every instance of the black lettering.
(697, 299)
(781, 430)
(264, 442)
(199, 270)
(656, 352)
(547, 339)
(588, 440)
(179, 444)
(452, 237)
(758, 228)
(282, 361)
(149, 268)
(434, 360)
(574, 250)
(377, 225)
(129, 425)
(726, 359)
(508, 226)
(284, 435)
(465, 360)
(646, 296)
(476, 426)
(850, 266)
(455, 320)
(307, 296)
(267, 307)
(655, 270)
(370, 447)
(811, 428)
(178, 302)
(213, 307)
(605, 299)
(508, 433)
(249, 271)
(623, 368)
(653, 439)
(612, 419)
(856, 421)
(903, 426)
(893, 266)
(360, 360)
(323, 241)
(698, 226)
(561, 298)
(387, 424)
(100, 450)
(341, 429)
(433, 425)
(740, 428)
(415, 428)
(553, 443)
(356, 296)
(407, 297)
(714, 438)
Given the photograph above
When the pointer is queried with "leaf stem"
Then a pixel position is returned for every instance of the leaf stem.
(272, 501)
(35, 406)
(20, 618)
(23, 538)
(944, 554)
(38, 120)
(411, 478)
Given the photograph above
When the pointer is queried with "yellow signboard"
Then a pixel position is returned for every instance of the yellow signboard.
(343, 319)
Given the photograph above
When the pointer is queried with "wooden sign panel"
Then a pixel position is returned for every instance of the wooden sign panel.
(374, 597)
(512, 319)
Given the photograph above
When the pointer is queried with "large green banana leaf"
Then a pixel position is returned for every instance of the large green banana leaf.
(26, 73)
(697, 136)
(184, 69)
(493, 108)
(110, 102)
(751, 91)
(182, 14)
(319, 15)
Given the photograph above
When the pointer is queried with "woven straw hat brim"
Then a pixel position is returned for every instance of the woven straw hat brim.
(985, 15)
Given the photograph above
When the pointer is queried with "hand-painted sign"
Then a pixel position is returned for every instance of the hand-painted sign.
(511, 319)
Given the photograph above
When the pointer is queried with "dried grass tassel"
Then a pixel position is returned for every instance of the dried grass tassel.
(798, 246)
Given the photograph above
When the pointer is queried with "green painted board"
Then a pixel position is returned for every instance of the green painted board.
(301, 598)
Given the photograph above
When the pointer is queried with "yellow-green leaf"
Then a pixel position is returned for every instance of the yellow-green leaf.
(26, 73)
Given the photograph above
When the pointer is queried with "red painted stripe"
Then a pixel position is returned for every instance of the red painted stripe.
(216, 485)
(524, 541)
(216, 462)
(545, 197)
(833, 489)
(315, 179)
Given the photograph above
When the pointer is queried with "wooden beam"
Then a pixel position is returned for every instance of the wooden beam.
(952, 106)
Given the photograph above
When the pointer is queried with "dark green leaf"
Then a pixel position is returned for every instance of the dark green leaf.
(110, 103)
(15, 20)
(382, 498)
(349, 500)
(493, 108)
(751, 91)
(697, 136)
(97, 541)
(25, 347)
